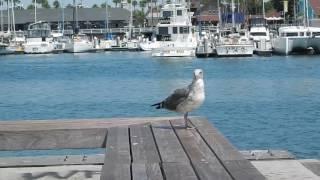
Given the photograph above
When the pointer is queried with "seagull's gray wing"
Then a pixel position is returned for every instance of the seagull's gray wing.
(178, 96)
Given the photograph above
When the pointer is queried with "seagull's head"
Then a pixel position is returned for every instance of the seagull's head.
(198, 74)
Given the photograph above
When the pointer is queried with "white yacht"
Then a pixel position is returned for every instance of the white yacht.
(175, 34)
(3, 48)
(205, 47)
(293, 39)
(79, 43)
(260, 35)
(234, 44)
(39, 39)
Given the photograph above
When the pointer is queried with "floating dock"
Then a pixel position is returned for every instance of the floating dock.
(135, 149)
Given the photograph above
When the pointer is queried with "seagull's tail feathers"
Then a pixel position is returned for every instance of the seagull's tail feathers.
(158, 105)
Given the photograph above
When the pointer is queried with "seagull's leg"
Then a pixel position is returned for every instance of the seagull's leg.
(186, 120)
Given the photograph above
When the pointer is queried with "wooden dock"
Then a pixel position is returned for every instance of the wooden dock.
(135, 148)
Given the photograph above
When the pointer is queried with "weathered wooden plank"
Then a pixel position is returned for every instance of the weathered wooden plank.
(51, 160)
(143, 147)
(238, 167)
(117, 157)
(52, 139)
(178, 171)
(146, 171)
(167, 142)
(220, 145)
(36, 125)
(115, 171)
(203, 159)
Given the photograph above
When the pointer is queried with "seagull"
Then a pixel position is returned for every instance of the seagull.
(186, 99)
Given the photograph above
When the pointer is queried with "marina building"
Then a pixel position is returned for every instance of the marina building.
(88, 18)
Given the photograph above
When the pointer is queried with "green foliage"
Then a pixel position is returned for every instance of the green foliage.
(116, 2)
(43, 3)
(69, 6)
(134, 4)
(30, 6)
(142, 4)
(139, 17)
(56, 4)
(95, 6)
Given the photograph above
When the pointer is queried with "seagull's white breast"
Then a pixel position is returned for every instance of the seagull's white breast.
(195, 98)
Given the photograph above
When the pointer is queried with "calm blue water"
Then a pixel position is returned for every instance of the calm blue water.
(258, 102)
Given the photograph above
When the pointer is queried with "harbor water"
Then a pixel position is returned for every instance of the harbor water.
(257, 102)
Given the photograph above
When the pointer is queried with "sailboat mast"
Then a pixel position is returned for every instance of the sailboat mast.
(8, 14)
(107, 21)
(62, 9)
(263, 10)
(131, 19)
(232, 8)
(35, 11)
(307, 16)
(219, 12)
(1, 15)
(13, 19)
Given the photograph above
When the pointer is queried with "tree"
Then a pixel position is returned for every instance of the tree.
(134, 4)
(30, 6)
(69, 6)
(43, 3)
(116, 2)
(56, 4)
(103, 5)
(139, 17)
(95, 6)
(142, 4)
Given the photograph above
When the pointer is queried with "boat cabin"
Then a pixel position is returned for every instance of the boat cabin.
(299, 31)
(39, 30)
(175, 20)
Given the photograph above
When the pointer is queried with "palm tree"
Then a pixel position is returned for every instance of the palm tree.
(116, 2)
(43, 3)
(134, 4)
(142, 4)
(56, 4)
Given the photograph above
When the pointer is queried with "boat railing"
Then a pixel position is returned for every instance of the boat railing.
(111, 30)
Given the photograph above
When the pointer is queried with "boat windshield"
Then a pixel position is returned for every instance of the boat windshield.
(258, 34)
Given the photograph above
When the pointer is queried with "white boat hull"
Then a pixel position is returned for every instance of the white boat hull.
(174, 52)
(289, 45)
(38, 48)
(79, 47)
(148, 46)
(234, 50)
